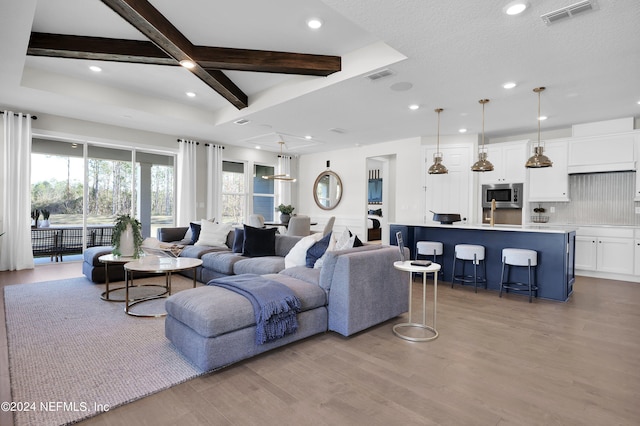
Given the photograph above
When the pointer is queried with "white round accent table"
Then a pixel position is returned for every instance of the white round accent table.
(424, 270)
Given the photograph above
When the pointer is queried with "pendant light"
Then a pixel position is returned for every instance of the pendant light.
(482, 165)
(280, 177)
(437, 168)
(538, 159)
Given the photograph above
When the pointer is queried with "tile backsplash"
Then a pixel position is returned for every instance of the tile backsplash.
(597, 199)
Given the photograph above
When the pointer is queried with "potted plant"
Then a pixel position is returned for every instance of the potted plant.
(35, 214)
(127, 237)
(285, 212)
(45, 218)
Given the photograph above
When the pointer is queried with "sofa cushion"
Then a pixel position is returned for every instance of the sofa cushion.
(221, 261)
(259, 265)
(284, 243)
(212, 311)
(310, 275)
(316, 251)
(196, 252)
(92, 254)
(259, 241)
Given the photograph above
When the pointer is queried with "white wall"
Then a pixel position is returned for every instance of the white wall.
(351, 165)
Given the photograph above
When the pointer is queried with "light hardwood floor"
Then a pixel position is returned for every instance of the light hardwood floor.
(496, 362)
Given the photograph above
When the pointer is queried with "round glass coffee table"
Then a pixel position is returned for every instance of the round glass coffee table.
(155, 265)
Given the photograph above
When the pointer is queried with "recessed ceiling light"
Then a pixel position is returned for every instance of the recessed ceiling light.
(516, 7)
(414, 107)
(509, 85)
(95, 68)
(314, 23)
(638, 102)
(462, 130)
(308, 137)
(188, 64)
(542, 117)
(191, 94)
(258, 147)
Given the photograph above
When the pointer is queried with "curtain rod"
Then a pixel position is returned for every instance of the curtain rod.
(33, 117)
(198, 143)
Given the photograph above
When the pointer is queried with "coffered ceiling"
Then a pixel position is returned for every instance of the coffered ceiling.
(436, 54)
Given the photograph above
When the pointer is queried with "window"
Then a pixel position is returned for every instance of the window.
(234, 195)
(113, 185)
(263, 192)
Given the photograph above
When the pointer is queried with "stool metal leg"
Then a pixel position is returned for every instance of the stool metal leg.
(475, 273)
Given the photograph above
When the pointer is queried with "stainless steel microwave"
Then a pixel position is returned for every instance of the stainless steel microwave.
(507, 195)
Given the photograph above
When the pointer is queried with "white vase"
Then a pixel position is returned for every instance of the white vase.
(45, 223)
(126, 242)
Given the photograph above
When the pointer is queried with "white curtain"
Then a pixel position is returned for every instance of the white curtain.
(186, 210)
(283, 188)
(15, 244)
(214, 182)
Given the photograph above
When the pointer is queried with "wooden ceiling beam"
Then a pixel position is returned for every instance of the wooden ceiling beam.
(97, 48)
(266, 61)
(148, 20)
(209, 58)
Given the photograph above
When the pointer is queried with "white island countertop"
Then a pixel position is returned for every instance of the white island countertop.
(555, 229)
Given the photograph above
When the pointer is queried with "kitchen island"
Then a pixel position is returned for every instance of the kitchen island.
(555, 273)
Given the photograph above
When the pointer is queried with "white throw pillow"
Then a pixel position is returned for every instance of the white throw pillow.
(297, 256)
(213, 234)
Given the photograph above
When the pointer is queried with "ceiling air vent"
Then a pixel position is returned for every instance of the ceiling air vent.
(241, 122)
(568, 12)
(338, 130)
(378, 75)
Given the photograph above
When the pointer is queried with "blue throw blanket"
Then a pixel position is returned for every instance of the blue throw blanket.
(274, 304)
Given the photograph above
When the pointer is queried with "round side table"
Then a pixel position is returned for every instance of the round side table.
(424, 270)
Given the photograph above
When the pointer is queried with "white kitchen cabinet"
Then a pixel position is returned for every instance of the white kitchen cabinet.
(602, 153)
(550, 183)
(508, 161)
(609, 250)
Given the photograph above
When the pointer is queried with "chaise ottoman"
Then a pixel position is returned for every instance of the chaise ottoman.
(93, 269)
(214, 327)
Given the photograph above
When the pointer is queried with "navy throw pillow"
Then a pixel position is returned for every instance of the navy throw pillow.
(195, 232)
(238, 241)
(259, 241)
(316, 251)
(356, 242)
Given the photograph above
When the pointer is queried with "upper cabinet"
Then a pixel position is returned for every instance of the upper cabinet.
(508, 161)
(602, 153)
(551, 183)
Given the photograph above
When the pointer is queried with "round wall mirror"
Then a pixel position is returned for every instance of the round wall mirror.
(327, 190)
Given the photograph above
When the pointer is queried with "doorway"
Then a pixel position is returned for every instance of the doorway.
(380, 207)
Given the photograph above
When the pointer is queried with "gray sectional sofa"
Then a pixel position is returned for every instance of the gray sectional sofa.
(355, 289)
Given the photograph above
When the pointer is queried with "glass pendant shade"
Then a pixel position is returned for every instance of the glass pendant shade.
(538, 160)
(482, 165)
(437, 168)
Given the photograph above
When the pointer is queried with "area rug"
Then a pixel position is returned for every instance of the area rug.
(73, 355)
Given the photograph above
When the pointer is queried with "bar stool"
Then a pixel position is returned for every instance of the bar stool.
(474, 254)
(519, 257)
(430, 248)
